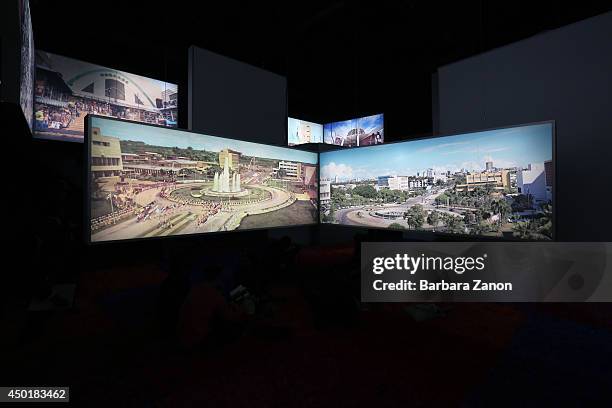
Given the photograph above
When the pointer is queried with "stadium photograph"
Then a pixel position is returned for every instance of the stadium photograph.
(150, 181)
(67, 90)
(365, 131)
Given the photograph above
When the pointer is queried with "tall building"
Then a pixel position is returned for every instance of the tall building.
(489, 166)
(398, 183)
(305, 132)
(325, 192)
(106, 160)
(532, 181)
(440, 176)
(233, 157)
(549, 174)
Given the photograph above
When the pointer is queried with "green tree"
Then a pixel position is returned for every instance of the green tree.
(415, 216)
(434, 219)
(454, 224)
(523, 230)
(365, 190)
(338, 197)
(502, 208)
(442, 199)
(545, 227)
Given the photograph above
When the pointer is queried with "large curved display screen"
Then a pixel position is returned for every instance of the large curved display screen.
(149, 181)
(495, 183)
(67, 90)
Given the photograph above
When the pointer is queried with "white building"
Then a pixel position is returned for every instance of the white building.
(288, 170)
(398, 183)
(532, 181)
(417, 183)
(439, 176)
(325, 191)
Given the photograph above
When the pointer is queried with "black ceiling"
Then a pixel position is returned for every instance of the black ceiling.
(341, 58)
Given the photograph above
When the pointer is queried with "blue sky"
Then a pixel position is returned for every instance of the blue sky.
(367, 123)
(171, 137)
(510, 147)
(293, 127)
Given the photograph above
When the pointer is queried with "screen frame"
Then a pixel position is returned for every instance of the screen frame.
(422, 234)
(87, 195)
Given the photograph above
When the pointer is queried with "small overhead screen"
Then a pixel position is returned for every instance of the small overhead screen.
(301, 131)
(149, 181)
(67, 90)
(365, 131)
(495, 183)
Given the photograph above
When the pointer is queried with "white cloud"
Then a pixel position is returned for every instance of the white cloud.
(331, 170)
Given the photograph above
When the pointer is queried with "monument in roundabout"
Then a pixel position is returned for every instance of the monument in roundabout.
(224, 185)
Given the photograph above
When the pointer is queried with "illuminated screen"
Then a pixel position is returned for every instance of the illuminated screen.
(300, 132)
(67, 90)
(150, 181)
(26, 94)
(496, 183)
(365, 131)
(17, 56)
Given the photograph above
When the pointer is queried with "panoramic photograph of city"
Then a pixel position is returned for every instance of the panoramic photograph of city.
(150, 181)
(67, 90)
(365, 131)
(495, 183)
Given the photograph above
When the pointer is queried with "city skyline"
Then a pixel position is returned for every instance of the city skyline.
(166, 137)
(506, 148)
